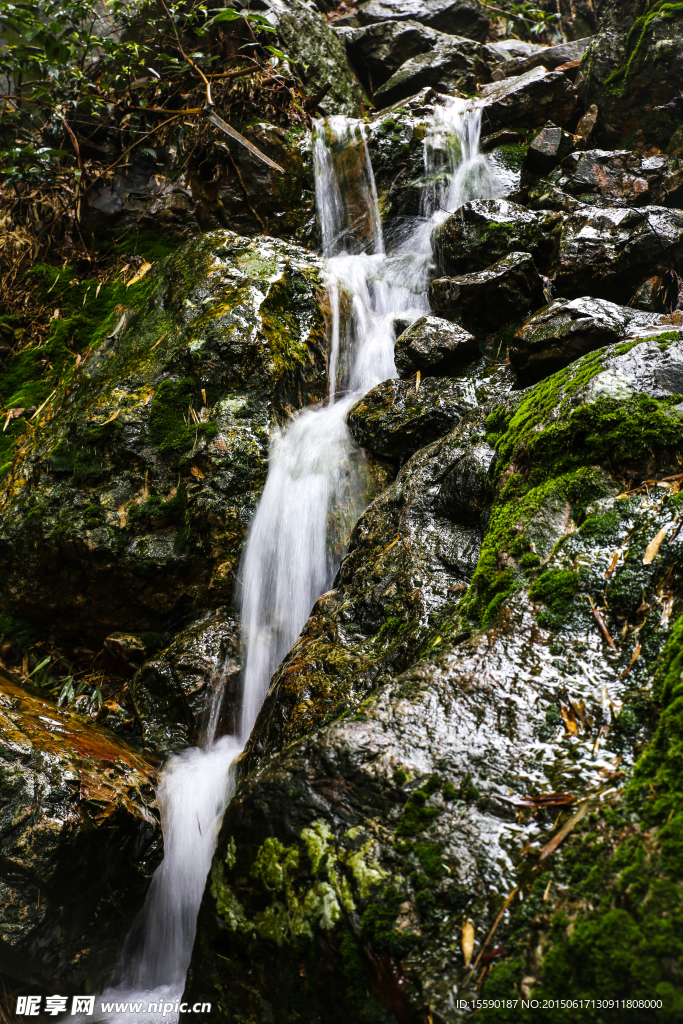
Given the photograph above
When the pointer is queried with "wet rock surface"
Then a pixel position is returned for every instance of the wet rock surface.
(562, 331)
(573, 597)
(432, 345)
(607, 252)
(527, 100)
(450, 64)
(395, 419)
(493, 297)
(129, 503)
(486, 230)
(174, 692)
(79, 839)
(621, 177)
(455, 18)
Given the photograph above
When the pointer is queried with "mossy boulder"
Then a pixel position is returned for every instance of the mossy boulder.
(129, 497)
(79, 840)
(348, 864)
(634, 65)
(563, 330)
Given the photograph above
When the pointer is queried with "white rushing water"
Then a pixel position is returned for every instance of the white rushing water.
(316, 488)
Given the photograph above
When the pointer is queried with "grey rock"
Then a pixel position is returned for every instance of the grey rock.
(527, 101)
(607, 252)
(486, 230)
(452, 64)
(174, 693)
(564, 330)
(550, 57)
(395, 418)
(432, 345)
(455, 17)
(548, 148)
(486, 300)
(467, 489)
(621, 177)
(380, 49)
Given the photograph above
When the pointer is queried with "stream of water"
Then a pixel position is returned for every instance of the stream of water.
(315, 489)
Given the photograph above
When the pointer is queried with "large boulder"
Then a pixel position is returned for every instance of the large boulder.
(619, 177)
(527, 101)
(564, 330)
(379, 50)
(319, 54)
(192, 688)
(452, 64)
(608, 252)
(432, 345)
(550, 57)
(634, 65)
(455, 17)
(487, 300)
(396, 418)
(129, 501)
(376, 862)
(486, 230)
(79, 840)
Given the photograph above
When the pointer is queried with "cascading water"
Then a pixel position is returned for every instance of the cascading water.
(317, 479)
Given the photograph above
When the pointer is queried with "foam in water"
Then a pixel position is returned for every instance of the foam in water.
(317, 478)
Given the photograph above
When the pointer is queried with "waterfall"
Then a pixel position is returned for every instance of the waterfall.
(315, 490)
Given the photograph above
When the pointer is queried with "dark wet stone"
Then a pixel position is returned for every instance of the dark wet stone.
(467, 489)
(452, 64)
(548, 148)
(486, 230)
(607, 252)
(634, 65)
(551, 57)
(621, 177)
(491, 298)
(79, 839)
(380, 49)
(432, 345)
(562, 331)
(396, 418)
(320, 54)
(454, 17)
(135, 516)
(527, 101)
(174, 692)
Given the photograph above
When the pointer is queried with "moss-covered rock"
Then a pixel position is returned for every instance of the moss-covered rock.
(79, 839)
(634, 65)
(563, 330)
(128, 500)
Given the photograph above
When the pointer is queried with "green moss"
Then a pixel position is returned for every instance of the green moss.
(635, 49)
(171, 423)
(556, 588)
(155, 509)
(378, 923)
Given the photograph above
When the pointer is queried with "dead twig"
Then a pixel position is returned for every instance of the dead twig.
(601, 625)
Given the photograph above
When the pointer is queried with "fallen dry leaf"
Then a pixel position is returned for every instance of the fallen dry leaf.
(467, 942)
(417, 381)
(140, 274)
(196, 471)
(569, 719)
(564, 831)
(111, 418)
(654, 546)
(612, 565)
